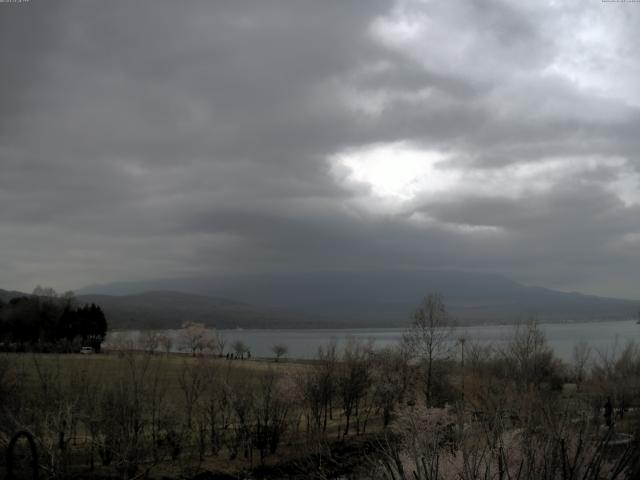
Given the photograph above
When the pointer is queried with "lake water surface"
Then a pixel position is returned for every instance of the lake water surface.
(601, 336)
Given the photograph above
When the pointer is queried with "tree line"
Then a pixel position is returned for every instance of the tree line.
(49, 322)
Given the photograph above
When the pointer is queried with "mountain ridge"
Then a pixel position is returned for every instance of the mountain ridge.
(387, 298)
(166, 309)
(340, 300)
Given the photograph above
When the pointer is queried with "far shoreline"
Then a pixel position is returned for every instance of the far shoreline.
(390, 327)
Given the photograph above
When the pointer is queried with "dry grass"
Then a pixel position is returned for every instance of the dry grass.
(106, 368)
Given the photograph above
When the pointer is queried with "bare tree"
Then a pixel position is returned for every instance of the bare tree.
(11, 391)
(417, 448)
(166, 342)
(157, 406)
(58, 413)
(240, 348)
(217, 343)
(217, 410)
(529, 358)
(617, 374)
(271, 409)
(326, 371)
(192, 384)
(429, 335)
(317, 387)
(213, 342)
(122, 421)
(354, 379)
(149, 342)
(390, 382)
(193, 337)
(240, 395)
(279, 350)
(581, 358)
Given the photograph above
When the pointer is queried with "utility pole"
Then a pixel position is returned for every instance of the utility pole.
(462, 340)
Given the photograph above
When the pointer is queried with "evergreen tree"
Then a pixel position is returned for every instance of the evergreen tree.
(45, 319)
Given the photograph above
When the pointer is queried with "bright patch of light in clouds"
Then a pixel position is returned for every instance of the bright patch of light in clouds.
(398, 170)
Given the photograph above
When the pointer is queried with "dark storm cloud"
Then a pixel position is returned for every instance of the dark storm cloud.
(154, 139)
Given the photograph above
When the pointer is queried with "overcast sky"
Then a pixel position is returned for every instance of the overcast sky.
(154, 139)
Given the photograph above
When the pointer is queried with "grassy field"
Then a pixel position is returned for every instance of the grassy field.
(113, 364)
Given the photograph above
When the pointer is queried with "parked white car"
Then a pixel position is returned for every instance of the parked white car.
(86, 350)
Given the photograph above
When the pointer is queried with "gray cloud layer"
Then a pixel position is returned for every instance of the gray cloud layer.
(155, 139)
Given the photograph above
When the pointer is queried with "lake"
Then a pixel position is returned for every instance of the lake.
(601, 336)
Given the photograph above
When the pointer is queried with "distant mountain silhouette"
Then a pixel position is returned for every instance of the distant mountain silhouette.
(6, 295)
(169, 309)
(347, 299)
